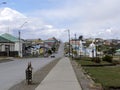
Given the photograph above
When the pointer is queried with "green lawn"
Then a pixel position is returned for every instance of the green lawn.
(106, 75)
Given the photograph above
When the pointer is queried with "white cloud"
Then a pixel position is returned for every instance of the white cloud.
(85, 16)
(12, 21)
(89, 18)
(109, 30)
(49, 26)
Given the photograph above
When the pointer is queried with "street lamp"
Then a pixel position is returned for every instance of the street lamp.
(75, 43)
(96, 43)
(20, 48)
(85, 50)
(69, 41)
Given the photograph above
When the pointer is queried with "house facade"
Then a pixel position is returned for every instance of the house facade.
(6, 47)
(15, 45)
(78, 46)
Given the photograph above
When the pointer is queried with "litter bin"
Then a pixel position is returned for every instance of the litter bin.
(29, 74)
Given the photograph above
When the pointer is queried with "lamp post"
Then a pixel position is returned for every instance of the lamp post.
(85, 50)
(69, 40)
(96, 43)
(75, 43)
(20, 46)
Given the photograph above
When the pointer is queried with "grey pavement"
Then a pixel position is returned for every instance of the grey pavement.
(61, 77)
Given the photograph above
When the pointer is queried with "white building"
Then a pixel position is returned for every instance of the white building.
(92, 50)
(79, 47)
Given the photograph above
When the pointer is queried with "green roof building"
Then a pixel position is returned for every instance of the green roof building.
(10, 37)
(3, 40)
(18, 45)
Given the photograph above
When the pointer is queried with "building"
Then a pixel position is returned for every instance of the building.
(6, 47)
(51, 41)
(37, 47)
(17, 45)
(92, 50)
(78, 46)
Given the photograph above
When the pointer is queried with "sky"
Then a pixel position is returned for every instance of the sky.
(48, 18)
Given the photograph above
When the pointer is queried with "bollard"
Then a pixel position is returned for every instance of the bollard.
(29, 73)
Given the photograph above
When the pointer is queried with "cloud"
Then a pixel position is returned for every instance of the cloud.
(89, 18)
(12, 21)
(84, 16)
(109, 30)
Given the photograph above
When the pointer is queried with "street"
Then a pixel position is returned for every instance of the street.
(13, 72)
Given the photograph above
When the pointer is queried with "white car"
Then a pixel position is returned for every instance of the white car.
(66, 55)
(52, 56)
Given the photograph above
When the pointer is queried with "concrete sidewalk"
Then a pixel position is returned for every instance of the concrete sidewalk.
(61, 77)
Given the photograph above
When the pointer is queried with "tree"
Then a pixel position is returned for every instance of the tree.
(75, 52)
(81, 37)
(49, 51)
(111, 50)
(53, 49)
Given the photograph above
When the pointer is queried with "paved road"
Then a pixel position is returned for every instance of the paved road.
(13, 72)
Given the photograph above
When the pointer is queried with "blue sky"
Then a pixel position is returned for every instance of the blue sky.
(90, 18)
(33, 5)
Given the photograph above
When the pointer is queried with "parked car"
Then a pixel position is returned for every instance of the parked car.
(52, 56)
(66, 55)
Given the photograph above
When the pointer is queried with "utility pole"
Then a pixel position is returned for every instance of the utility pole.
(75, 43)
(69, 41)
(20, 44)
(8, 51)
(96, 44)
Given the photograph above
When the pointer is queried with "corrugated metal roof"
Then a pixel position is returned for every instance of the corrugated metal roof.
(3, 40)
(10, 37)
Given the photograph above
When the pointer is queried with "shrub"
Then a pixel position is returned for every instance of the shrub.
(96, 59)
(107, 58)
(115, 62)
(77, 58)
(49, 52)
